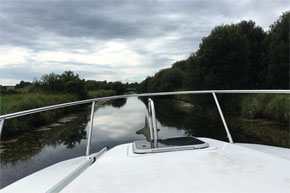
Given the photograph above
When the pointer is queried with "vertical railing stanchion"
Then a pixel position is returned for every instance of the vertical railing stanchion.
(90, 128)
(153, 121)
(1, 125)
(222, 117)
(150, 122)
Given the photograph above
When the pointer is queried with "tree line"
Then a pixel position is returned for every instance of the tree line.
(233, 56)
(69, 83)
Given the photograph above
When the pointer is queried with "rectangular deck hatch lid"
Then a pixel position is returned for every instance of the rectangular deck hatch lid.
(168, 144)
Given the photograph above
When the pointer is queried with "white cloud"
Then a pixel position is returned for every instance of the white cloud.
(13, 55)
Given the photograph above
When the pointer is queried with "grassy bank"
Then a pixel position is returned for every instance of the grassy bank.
(269, 106)
(100, 93)
(21, 102)
(274, 107)
(25, 101)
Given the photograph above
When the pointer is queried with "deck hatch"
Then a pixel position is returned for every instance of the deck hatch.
(168, 144)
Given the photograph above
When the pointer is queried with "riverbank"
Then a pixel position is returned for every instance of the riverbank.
(25, 101)
(275, 107)
(202, 122)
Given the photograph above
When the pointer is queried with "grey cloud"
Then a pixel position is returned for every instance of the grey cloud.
(23, 23)
(69, 25)
(26, 23)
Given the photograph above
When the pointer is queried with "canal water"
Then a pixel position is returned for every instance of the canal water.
(123, 121)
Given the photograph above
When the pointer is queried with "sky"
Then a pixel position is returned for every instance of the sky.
(120, 40)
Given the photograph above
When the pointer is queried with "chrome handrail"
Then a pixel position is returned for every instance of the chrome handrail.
(47, 108)
(75, 173)
(152, 122)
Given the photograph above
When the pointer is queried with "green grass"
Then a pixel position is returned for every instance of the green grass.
(274, 107)
(25, 101)
(269, 106)
(100, 93)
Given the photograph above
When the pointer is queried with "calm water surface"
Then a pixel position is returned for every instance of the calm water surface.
(123, 121)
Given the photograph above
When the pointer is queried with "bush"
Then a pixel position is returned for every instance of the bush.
(274, 106)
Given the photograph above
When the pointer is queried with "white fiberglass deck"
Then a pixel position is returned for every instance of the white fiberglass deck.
(222, 167)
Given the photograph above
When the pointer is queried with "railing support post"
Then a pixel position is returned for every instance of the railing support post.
(90, 128)
(150, 124)
(1, 126)
(222, 117)
(153, 121)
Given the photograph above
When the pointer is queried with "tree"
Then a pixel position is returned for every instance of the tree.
(181, 65)
(222, 58)
(278, 53)
(256, 66)
(170, 79)
(67, 82)
(76, 87)
(231, 57)
(118, 87)
(143, 86)
(50, 83)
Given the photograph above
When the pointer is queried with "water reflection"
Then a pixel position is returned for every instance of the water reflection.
(68, 131)
(118, 103)
(187, 118)
(145, 131)
(259, 131)
(200, 122)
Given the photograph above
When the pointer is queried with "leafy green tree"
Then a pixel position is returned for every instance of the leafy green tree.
(143, 86)
(50, 83)
(181, 65)
(193, 76)
(91, 85)
(76, 87)
(170, 79)
(256, 65)
(69, 76)
(278, 53)
(222, 58)
(231, 57)
(67, 82)
(118, 87)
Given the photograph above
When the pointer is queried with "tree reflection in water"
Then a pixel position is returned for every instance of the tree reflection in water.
(118, 103)
(184, 116)
(67, 133)
(206, 122)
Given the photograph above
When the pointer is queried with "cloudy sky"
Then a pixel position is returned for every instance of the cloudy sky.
(124, 40)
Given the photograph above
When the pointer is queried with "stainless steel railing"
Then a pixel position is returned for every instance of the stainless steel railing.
(92, 101)
(152, 122)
